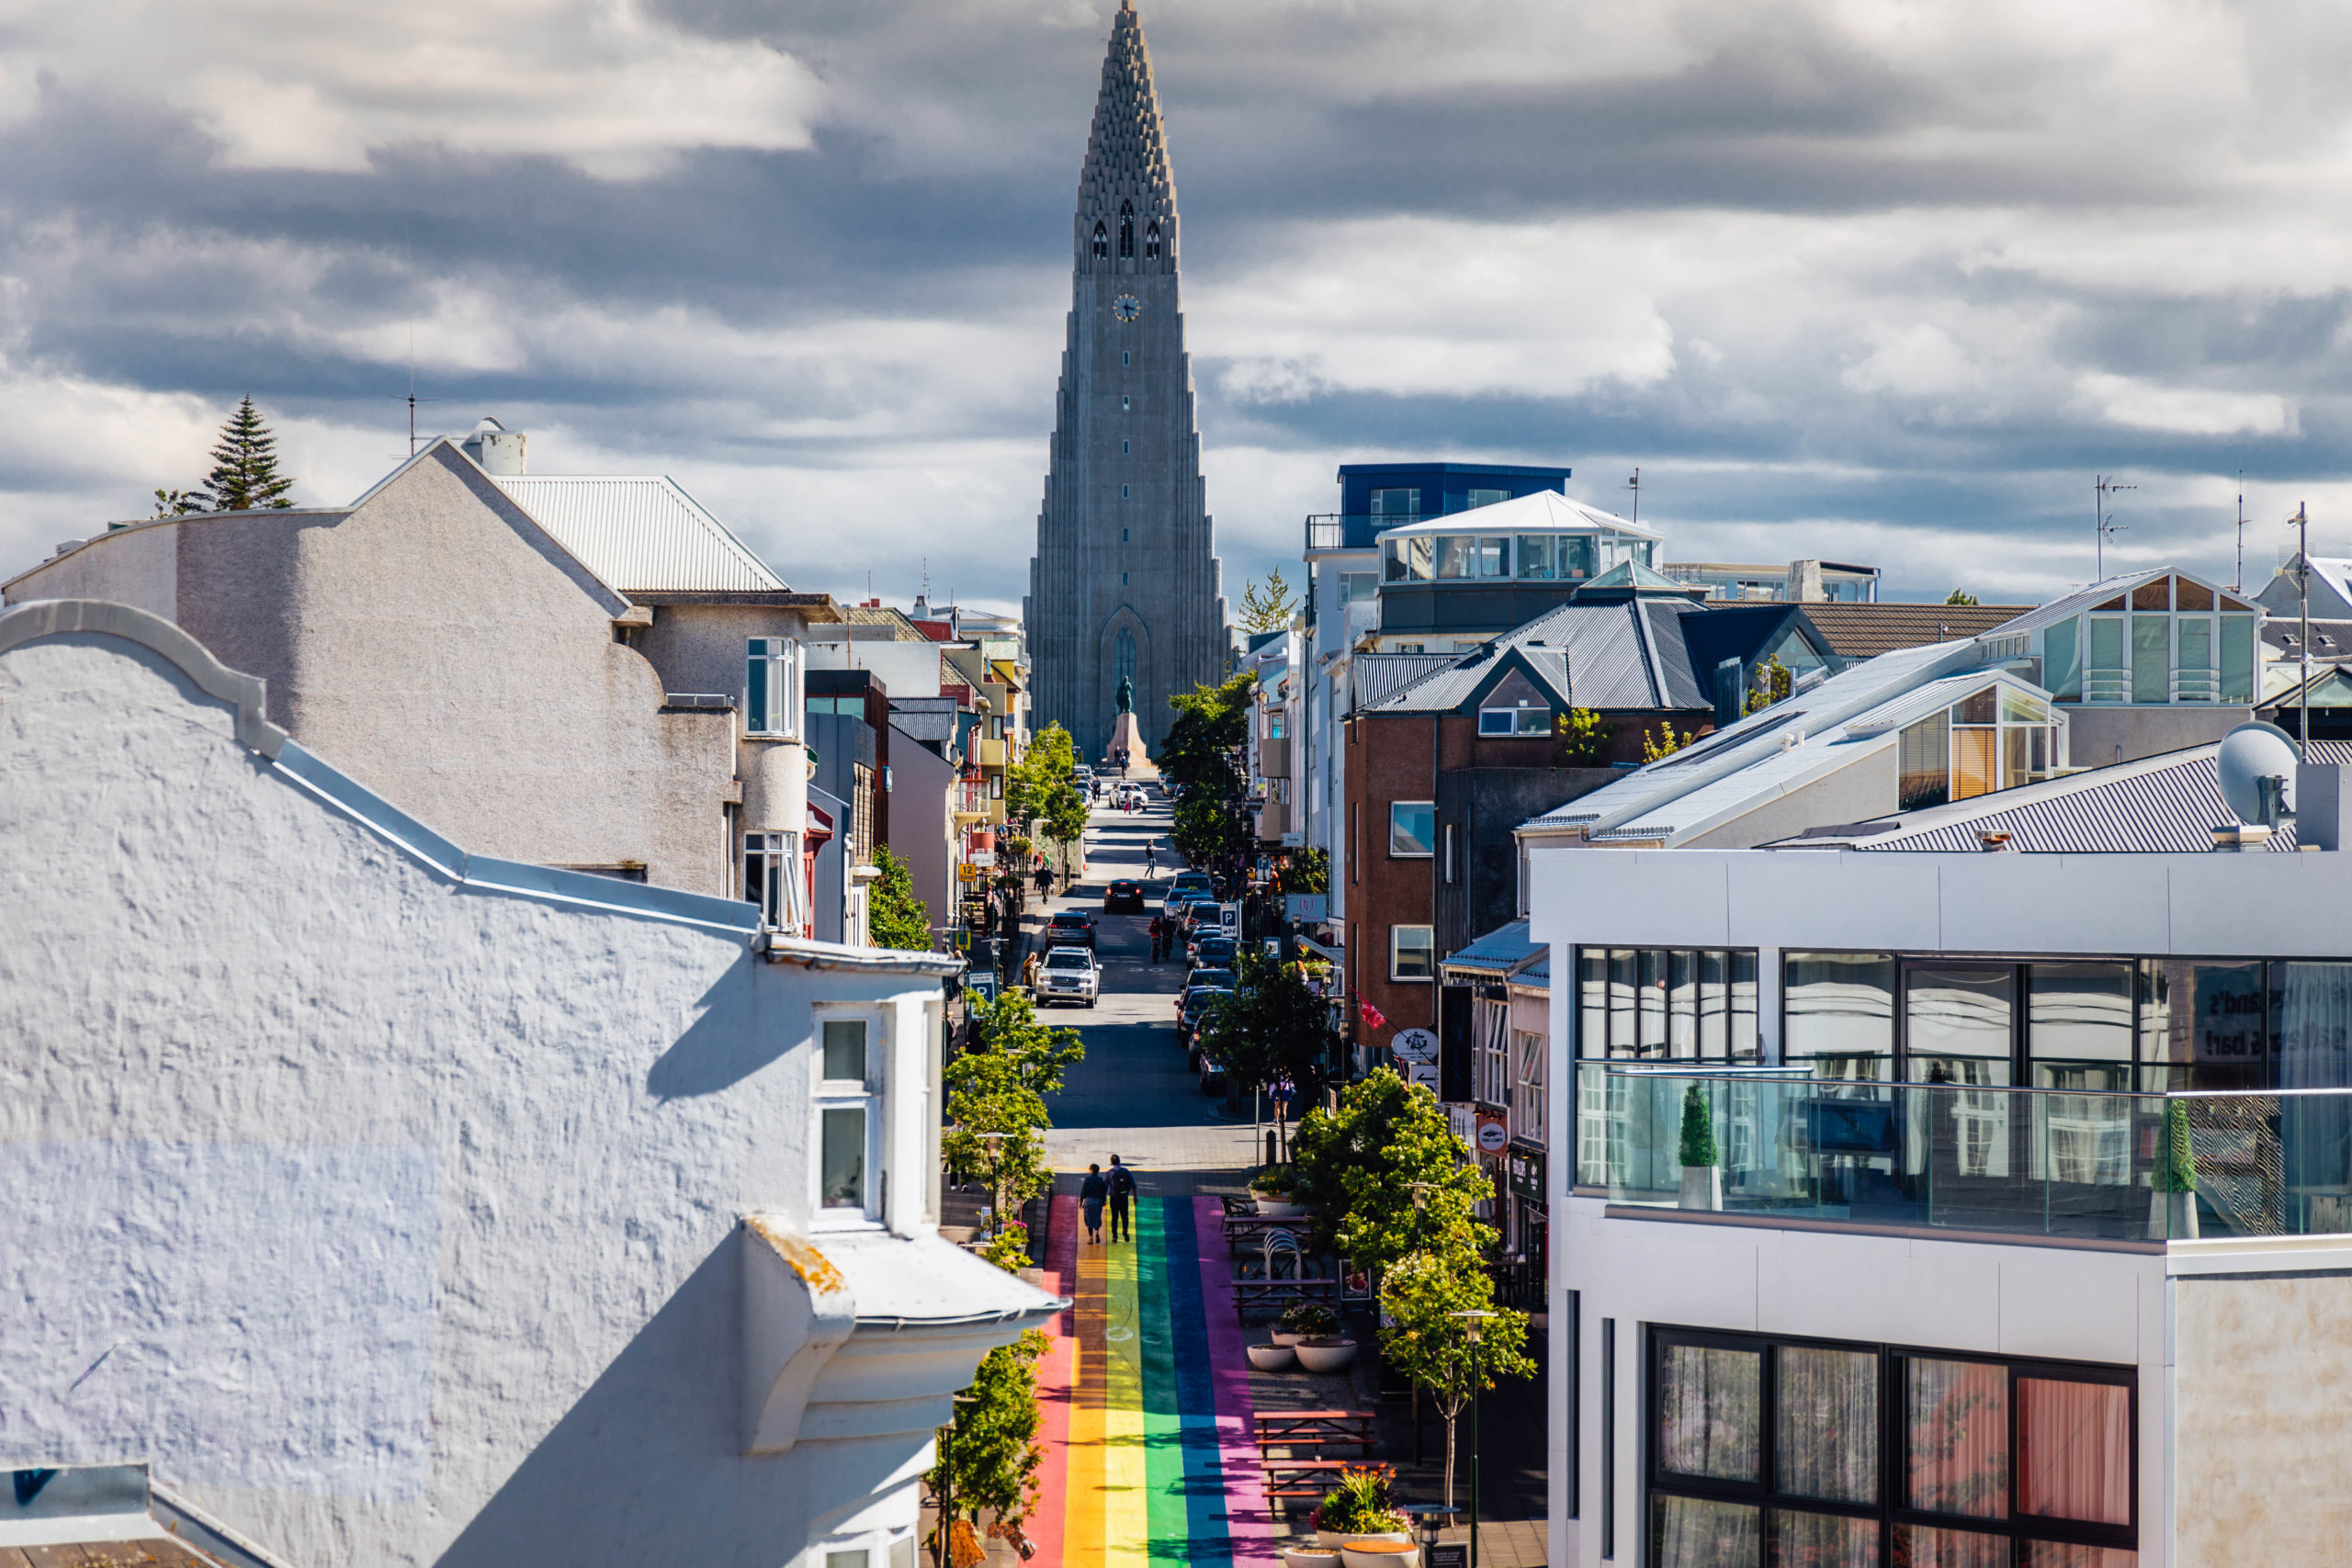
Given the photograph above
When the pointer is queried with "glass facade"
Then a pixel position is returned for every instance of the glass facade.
(1993, 739)
(2173, 640)
(1534, 557)
(1783, 1451)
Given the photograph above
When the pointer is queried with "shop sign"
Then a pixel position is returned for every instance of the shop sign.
(982, 857)
(971, 874)
(1415, 1052)
(1462, 1120)
(1527, 1175)
(1493, 1135)
(1305, 909)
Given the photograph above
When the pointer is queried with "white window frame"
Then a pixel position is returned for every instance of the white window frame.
(1513, 723)
(774, 699)
(1395, 947)
(788, 909)
(863, 1095)
(1395, 853)
(1527, 1119)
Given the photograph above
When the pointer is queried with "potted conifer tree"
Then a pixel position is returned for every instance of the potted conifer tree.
(1703, 1177)
(2172, 1207)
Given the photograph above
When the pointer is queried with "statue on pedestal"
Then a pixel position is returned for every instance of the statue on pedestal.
(1126, 694)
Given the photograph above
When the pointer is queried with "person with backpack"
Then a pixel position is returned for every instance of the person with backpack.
(1090, 1193)
(1123, 1192)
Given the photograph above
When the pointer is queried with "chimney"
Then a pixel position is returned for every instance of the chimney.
(496, 448)
(1804, 583)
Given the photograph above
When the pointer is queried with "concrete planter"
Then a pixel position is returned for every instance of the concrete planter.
(1702, 1187)
(1276, 1208)
(2172, 1216)
(1333, 1541)
(1284, 1336)
(1272, 1358)
(1325, 1355)
(1379, 1551)
(1311, 1556)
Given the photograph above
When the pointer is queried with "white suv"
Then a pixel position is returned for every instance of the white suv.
(1068, 975)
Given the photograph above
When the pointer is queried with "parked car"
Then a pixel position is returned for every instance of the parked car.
(1197, 1003)
(1124, 894)
(1071, 928)
(1215, 950)
(1189, 882)
(1069, 975)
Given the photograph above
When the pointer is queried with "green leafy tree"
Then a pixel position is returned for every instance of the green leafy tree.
(1771, 683)
(1664, 744)
(1584, 738)
(2177, 1173)
(894, 915)
(1307, 871)
(1202, 755)
(178, 502)
(1271, 1027)
(990, 1459)
(1960, 596)
(1358, 1168)
(1267, 608)
(245, 475)
(1420, 1295)
(996, 1100)
(1043, 787)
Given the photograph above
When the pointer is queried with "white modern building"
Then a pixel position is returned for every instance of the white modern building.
(1950, 1209)
(399, 1204)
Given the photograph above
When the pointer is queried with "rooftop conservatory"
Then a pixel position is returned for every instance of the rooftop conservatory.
(2155, 637)
(1543, 537)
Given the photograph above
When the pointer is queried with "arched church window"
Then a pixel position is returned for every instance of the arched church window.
(1126, 656)
(1127, 231)
(1151, 242)
(1102, 241)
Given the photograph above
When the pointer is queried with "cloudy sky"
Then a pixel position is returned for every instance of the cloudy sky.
(1876, 281)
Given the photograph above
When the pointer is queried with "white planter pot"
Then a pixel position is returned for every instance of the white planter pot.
(2172, 1216)
(1312, 1557)
(1702, 1187)
(1284, 1336)
(1276, 1208)
(1325, 1355)
(1272, 1358)
(1329, 1540)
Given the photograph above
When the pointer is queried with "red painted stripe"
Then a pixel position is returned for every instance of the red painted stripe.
(1055, 1376)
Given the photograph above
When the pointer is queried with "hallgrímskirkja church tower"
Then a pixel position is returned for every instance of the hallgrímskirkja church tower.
(1126, 581)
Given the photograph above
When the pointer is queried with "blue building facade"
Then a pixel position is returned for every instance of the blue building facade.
(1374, 496)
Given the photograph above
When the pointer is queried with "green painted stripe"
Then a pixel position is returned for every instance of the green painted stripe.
(1162, 1426)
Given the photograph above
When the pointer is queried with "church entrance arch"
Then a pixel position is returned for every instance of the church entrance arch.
(1123, 651)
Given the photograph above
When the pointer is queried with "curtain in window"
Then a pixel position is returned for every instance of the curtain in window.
(1827, 1425)
(1823, 1540)
(1917, 1546)
(2315, 1052)
(1958, 1420)
(2056, 1554)
(1708, 1406)
(1693, 1532)
(2062, 664)
(2152, 658)
(2075, 1450)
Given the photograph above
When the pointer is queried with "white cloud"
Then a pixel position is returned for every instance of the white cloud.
(2186, 411)
(297, 85)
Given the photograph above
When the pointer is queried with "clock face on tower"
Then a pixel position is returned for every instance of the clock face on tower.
(1127, 306)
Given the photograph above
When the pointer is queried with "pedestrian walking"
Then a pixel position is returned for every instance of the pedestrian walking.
(1123, 1192)
(1158, 936)
(1029, 973)
(1090, 1193)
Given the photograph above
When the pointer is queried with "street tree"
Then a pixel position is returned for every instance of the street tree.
(1271, 1027)
(895, 917)
(1202, 755)
(1267, 608)
(1358, 1167)
(1421, 1296)
(245, 475)
(1043, 787)
(989, 1458)
(996, 1100)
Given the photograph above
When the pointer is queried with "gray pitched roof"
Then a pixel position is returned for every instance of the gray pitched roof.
(1377, 676)
(641, 534)
(1621, 657)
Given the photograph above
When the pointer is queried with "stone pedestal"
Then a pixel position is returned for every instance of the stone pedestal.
(1127, 744)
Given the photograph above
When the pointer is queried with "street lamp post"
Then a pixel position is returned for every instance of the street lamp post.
(1476, 1321)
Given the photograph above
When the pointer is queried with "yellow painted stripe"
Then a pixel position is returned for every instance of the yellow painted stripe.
(1083, 1516)
(1126, 1502)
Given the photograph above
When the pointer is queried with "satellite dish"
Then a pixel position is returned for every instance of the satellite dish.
(2252, 751)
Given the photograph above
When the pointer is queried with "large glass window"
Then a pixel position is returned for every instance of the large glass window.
(1838, 1012)
(1923, 764)
(1455, 554)
(2103, 672)
(1577, 558)
(2237, 659)
(772, 694)
(2078, 1025)
(1412, 828)
(2151, 659)
(1654, 1003)
(2061, 659)
(2201, 1025)
(1412, 953)
(1493, 555)
(1769, 1451)
(1478, 497)
(1535, 556)
(1396, 504)
(1958, 1021)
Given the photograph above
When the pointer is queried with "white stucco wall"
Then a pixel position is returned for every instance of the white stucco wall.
(396, 1219)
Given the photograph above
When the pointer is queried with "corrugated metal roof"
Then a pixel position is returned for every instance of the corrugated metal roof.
(1378, 676)
(2082, 599)
(641, 534)
(1499, 950)
(2168, 804)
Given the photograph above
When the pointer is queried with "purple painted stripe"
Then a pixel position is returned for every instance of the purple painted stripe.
(1249, 1520)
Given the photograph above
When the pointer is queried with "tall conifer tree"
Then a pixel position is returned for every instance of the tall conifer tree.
(245, 475)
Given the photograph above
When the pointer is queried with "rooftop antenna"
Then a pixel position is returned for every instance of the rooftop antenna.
(2303, 525)
(2238, 584)
(2102, 526)
(1634, 484)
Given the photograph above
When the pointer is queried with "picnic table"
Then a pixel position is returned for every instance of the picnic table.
(1272, 1295)
(1289, 1478)
(1314, 1428)
(1251, 1228)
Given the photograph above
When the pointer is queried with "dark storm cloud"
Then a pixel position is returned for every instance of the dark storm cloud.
(1808, 270)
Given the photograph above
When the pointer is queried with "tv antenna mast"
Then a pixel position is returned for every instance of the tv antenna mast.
(1634, 484)
(2237, 584)
(2301, 521)
(2103, 525)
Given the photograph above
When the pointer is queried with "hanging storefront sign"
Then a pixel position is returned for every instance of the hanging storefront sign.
(1493, 1136)
(1526, 1169)
(1416, 1051)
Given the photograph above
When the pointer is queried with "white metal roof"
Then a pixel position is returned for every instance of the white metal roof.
(1545, 512)
(641, 534)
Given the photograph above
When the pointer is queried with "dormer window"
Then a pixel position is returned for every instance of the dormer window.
(1102, 242)
(1151, 242)
(1526, 720)
(1127, 231)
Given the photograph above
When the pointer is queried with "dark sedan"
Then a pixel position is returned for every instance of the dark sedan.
(1125, 895)
(1071, 928)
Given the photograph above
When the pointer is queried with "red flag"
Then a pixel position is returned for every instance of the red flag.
(1372, 1016)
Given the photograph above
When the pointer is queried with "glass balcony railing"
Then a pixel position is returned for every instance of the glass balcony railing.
(1945, 1156)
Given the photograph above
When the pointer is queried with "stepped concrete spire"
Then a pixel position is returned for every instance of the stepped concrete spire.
(1125, 583)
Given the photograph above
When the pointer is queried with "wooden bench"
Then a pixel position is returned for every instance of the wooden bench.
(1314, 1426)
(1275, 1294)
